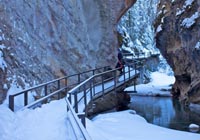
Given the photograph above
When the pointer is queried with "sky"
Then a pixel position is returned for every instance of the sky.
(50, 121)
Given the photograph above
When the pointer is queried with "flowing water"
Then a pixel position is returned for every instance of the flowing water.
(165, 112)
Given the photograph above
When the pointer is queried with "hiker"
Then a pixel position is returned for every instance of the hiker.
(120, 62)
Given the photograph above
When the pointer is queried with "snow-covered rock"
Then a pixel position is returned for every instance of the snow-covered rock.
(194, 127)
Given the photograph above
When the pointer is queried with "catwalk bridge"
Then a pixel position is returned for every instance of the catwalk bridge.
(78, 91)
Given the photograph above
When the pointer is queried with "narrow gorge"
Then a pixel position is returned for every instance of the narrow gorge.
(43, 40)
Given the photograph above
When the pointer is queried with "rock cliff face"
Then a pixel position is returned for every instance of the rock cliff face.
(42, 40)
(178, 38)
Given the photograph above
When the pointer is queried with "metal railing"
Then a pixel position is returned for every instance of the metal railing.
(58, 86)
(51, 89)
(77, 100)
(138, 55)
(80, 132)
(91, 89)
(79, 91)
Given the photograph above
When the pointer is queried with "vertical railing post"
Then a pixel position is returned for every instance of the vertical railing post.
(79, 80)
(91, 90)
(129, 73)
(85, 96)
(45, 92)
(76, 102)
(135, 85)
(70, 97)
(11, 102)
(93, 72)
(94, 87)
(25, 98)
(58, 84)
(102, 82)
(115, 80)
(91, 83)
(135, 79)
(82, 117)
(58, 87)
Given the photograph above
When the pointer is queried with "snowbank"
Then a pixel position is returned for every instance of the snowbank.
(159, 86)
(50, 122)
(128, 126)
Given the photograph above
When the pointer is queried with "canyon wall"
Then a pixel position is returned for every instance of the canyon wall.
(178, 38)
(43, 40)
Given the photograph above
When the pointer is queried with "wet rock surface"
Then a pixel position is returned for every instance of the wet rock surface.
(117, 101)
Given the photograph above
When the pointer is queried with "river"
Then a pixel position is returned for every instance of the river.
(165, 112)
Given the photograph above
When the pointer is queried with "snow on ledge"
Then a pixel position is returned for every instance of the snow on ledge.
(188, 22)
(159, 29)
(198, 45)
(179, 12)
(188, 3)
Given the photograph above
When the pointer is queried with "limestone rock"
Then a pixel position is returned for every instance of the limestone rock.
(118, 101)
(49, 39)
(178, 38)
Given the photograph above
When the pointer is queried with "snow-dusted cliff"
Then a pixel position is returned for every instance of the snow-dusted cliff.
(42, 40)
(178, 37)
(136, 26)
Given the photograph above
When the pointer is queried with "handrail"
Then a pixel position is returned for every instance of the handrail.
(45, 87)
(26, 92)
(91, 86)
(77, 121)
(83, 90)
(88, 89)
(78, 124)
(138, 54)
(31, 105)
(89, 79)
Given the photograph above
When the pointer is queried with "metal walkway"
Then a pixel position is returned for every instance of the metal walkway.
(77, 92)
